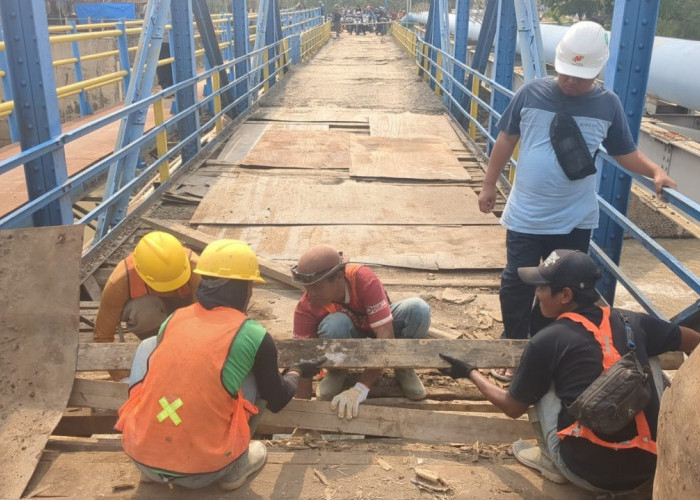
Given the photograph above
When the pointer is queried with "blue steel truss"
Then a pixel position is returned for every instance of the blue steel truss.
(627, 73)
(36, 105)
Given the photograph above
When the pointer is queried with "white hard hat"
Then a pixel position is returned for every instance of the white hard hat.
(583, 51)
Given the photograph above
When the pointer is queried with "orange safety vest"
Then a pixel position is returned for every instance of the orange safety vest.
(137, 287)
(180, 418)
(603, 334)
(351, 276)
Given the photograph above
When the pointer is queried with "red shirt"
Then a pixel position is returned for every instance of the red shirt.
(366, 303)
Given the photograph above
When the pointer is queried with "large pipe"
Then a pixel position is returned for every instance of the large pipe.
(674, 74)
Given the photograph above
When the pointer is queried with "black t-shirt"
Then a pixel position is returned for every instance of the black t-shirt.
(567, 355)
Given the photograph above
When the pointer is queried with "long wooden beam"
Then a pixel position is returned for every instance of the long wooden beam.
(373, 420)
(358, 353)
(419, 425)
(197, 240)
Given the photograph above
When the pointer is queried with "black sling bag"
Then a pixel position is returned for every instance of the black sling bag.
(570, 147)
(613, 399)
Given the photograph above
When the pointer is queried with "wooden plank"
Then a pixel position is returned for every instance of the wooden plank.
(303, 149)
(441, 247)
(244, 138)
(39, 322)
(98, 394)
(92, 288)
(72, 444)
(311, 114)
(414, 125)
(421, 158)
(419, 425)
(198, 240)
(257, 200)
(358, 353)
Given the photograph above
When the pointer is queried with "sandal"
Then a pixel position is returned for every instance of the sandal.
(502, 374)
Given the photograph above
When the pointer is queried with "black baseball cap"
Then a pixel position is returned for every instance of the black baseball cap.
(571, 268)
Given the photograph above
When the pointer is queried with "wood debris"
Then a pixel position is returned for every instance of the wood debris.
(383, 463)
(321, 476)
(429, 481)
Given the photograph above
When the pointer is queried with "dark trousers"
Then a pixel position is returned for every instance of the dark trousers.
(520, 318)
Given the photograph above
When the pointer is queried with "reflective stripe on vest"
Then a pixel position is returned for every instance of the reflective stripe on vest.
(603, 335)
(137, 287)
(181, 418)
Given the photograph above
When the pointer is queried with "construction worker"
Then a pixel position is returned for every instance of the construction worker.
(197, 387)
(145, 288)
(563, 360)
(546, 209)
(344, 301)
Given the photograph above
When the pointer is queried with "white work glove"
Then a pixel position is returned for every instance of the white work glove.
(348, 402)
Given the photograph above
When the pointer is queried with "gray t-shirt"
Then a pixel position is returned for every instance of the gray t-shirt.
(543, 199)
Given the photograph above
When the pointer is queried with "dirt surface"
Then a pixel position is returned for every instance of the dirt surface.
(316, 468)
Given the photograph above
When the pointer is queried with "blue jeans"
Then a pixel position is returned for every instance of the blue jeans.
(411, 321)
(249, 387)
(527, 250)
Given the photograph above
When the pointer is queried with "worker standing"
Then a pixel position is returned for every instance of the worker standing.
(343, 301)
(145, 288)
(553, 203)
(197, 387)
(563, 360)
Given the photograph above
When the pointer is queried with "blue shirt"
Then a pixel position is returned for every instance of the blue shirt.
(543, 200)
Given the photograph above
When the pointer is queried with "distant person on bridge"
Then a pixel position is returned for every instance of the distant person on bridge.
(145, 288)
(563, 360)
(335, 22)
(546, 209)
(348, 301)
(198, 386)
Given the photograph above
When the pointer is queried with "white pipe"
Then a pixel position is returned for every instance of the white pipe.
(674, 73)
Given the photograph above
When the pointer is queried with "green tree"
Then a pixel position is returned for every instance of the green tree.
(599, 11)
(679, 19)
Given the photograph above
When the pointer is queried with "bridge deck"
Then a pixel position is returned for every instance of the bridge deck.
(424, 235)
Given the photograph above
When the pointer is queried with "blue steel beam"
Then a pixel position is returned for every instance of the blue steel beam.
(182, 43)
(241, 48)
(132, 126)
(504, 58)
(627, 73)
(260, 36)
(484, 43)
(36, 104)
(124, 60)
(211, 48)
(460, 53)
(530, 38)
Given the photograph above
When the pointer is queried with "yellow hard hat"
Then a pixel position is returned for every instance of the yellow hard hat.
(229, 259)
(162, 262)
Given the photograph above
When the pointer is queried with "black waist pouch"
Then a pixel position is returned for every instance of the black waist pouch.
(615, 398)
(570, 147)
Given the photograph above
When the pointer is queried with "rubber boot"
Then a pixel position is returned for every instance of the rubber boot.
(410, 383)
(252, 460)
(331, 384)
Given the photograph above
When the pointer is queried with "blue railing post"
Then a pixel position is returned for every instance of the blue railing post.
(460, 53)
(626, 73)
(295, 48)
(241, 49)
(182, 39)
(7, 93)
(531, 52)
(36, 104)
(504, 58)
(85, 108)
(124, 60)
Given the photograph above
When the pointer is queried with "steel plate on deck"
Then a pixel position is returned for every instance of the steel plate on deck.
(39, 297)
